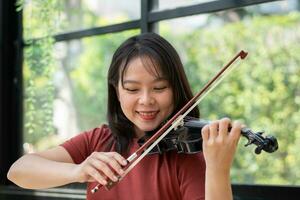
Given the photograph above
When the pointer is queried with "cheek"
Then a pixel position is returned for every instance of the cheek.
(121, 97)
(125, 101)
(167, 100)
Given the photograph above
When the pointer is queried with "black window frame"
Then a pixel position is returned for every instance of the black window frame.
(11, 83)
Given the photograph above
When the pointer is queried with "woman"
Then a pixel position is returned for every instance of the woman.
(146, 86)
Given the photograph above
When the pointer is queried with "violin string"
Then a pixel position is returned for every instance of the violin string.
(250, 134)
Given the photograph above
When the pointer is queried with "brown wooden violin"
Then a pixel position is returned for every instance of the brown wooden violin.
(187, 139)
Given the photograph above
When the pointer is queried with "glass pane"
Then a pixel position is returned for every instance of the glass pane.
(263, 92)
(67, 16)
(170, 4)
(65, 88)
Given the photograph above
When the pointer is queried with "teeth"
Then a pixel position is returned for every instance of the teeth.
(147, 113)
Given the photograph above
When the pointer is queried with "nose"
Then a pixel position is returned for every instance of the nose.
(146, 98)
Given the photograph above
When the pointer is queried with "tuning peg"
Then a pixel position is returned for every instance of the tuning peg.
(258, 149)
(260, 132)
(249, 142)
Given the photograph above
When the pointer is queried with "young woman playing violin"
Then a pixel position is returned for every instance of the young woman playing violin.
(146, 86)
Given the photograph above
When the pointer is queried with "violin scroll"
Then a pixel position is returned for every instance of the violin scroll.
(268, 143)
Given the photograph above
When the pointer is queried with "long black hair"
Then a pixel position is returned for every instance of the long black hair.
(161, 54)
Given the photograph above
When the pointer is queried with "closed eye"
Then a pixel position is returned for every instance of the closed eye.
(160, 88)
(131, 90)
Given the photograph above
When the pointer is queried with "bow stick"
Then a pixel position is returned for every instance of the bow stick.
(175, 121)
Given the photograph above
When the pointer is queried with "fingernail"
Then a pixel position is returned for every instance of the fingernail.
(104, 182)
(115, 178)
(124, 162)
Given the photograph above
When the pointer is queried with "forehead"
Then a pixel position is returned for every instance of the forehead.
(140, 68)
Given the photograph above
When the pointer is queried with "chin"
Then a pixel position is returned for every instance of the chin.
(147, 128)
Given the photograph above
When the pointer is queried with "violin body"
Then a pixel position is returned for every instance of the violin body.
(187, 139)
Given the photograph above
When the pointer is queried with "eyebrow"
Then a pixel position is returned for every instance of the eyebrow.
(136, 82)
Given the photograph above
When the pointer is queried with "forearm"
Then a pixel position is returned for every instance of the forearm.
(34, 172)
(217, 186)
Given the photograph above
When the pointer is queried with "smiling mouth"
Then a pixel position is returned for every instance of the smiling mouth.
(148, 115)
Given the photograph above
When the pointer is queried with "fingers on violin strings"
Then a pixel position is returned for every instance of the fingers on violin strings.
(205, 133)
(224, 125)
(235, 132)
(213, 129)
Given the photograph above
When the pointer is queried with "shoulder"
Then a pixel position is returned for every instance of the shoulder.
(85, 143)
(98, 137)
(99, 133)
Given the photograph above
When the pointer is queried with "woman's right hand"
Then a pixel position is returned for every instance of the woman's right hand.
(98, 166)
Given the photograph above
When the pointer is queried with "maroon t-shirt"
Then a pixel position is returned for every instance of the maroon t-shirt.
(166, 176)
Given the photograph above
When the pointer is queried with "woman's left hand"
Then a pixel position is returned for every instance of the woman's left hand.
(220, 140)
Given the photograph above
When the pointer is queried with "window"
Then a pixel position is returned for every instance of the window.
(65, 81)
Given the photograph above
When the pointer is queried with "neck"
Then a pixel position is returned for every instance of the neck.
(138, 133)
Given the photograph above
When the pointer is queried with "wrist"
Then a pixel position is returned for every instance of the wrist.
(73, 175)
(217, 172)
(218, 168)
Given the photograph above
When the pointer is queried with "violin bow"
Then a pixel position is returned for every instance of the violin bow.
(175, 121)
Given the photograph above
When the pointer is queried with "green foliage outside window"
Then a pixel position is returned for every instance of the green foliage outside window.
(39, 65)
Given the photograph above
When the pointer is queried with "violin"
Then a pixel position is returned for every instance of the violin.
(187, 139)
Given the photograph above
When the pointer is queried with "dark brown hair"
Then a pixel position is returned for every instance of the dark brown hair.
(161, 54)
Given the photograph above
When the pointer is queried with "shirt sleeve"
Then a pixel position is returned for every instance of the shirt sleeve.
(82, 145)
(191, 175)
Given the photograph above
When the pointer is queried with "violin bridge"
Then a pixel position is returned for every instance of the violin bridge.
(178, 122)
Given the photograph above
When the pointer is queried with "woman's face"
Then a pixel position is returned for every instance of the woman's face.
(146, 100)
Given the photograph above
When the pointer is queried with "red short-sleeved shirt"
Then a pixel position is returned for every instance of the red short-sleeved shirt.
(167, 176)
